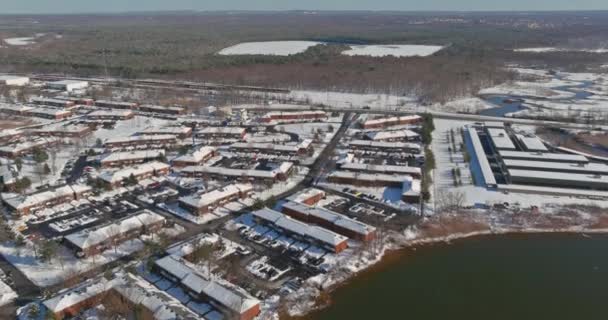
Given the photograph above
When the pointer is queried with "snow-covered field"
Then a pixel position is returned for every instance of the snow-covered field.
(19, 41)
(554, 49)
(396, 50)
(271, 48)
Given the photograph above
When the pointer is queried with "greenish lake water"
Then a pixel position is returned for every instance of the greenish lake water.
(542, 276)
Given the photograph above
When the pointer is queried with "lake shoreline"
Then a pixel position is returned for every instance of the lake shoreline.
(397, 252)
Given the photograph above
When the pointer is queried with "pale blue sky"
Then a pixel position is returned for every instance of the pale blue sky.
(78, 6)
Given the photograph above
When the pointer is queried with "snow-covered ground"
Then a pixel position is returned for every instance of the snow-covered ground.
(7, 295)
(274, 48)
(396, 50)
(64, 264)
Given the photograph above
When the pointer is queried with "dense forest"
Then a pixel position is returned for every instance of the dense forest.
(184, 45)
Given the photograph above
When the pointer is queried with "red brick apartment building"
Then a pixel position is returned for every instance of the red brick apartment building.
(115, 179)
(166, 140)
(330, 220)
(24, 205)
(294, 116)
(197, 158)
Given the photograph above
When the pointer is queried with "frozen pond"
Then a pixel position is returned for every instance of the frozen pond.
(396, 50)
(270, 48)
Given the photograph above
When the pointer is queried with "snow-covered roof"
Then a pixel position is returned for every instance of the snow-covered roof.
(23, 146)
(501, 139)
(542, 156)
(133, 155)
(480, 155)
(212, 197)
(161, 108)
(83, 292)
(229, 297)
(14, 107)
(62, 128)
(411, 187)
(111, 113)
(119, 175)
(166, 130)
(222, 130)
(197, 156)
(379, 177)
(306, 194)
(34, 199)
(300, 228)
(335, 218)
(590, 168)
(387, 169)
(141, 138)
(384, 145)
(117, 103)
(394, 134)
(283, 168)
(553, 176)
(9, 133)
(382, 121)
(133, 288)
(67, 82)
(49, 111)
(532, 143)
(91, 237)
(42, 100)
(272, 146)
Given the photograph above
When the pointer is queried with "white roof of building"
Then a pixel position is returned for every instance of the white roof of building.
(369, 176)
(141, 138)
(391, 119)
(167, 130)
(381, 168)
(49, 111)
(212, 197)
(480, 155)
(561, 176)
(283, 168)
(384, 145)
(222, 130)
(153, 107)
(34, 199)
(411, 187)
(14, 107)
(591, 167)
(9, 133)
(68, 82)
(501, 139)
(332, 217)
(542, 156)
(110, 113)
(133, 155)
(116, 176)
(532, 143)
(394, 134)
(272, 146)
(306, 194)
(91, 237)
(197, 156)
(87, 290)
(28, 144)
(294, 113)
(117, 103)
(300, 228)
(4, 77)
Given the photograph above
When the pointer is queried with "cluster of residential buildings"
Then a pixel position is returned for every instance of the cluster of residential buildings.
(207, 202)
(26, 204)
(281, 173)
